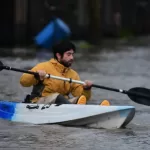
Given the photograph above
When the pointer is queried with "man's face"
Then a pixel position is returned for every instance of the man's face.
(67, 58)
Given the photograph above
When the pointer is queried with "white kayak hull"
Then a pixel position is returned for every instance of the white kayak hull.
(96, 116)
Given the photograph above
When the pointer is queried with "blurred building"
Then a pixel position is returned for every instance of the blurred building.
(21, 20)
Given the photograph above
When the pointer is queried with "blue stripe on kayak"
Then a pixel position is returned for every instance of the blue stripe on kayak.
(124, 113)
(7, 109)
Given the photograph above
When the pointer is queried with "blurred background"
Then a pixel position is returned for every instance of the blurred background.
(89, 20)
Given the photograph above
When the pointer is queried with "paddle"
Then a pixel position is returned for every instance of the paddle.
(137, 94)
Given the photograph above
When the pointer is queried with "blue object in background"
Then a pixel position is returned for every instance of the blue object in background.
(54, 32)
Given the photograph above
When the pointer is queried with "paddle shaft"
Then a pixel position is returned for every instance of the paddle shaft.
(122, 91)
(65, 79)
(19, 70)
(77, 81)
(93, 85)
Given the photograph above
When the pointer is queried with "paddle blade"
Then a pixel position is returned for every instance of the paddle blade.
(140, 95)
(1, 66)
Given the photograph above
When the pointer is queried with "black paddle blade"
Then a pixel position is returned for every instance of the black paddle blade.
(1, 66)
(140, 95)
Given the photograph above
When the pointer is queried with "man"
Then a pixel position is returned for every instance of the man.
(53, 90)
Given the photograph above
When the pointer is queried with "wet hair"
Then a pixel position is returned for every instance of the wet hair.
(62, 47)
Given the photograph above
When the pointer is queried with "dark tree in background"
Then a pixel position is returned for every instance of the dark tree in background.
(94, 13)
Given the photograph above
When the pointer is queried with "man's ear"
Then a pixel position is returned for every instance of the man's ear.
(58, 56)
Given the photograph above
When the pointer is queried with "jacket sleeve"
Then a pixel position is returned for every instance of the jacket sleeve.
(77, 90)
(28, 80)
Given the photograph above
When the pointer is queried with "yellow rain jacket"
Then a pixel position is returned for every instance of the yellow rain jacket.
(52, 86)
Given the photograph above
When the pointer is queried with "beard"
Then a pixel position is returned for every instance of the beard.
(66, 63)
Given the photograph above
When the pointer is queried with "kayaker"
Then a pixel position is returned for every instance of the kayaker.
(53, 90)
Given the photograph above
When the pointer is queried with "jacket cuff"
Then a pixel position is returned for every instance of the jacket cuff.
(89, 88)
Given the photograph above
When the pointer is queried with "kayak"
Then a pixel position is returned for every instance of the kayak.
(108, 117)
